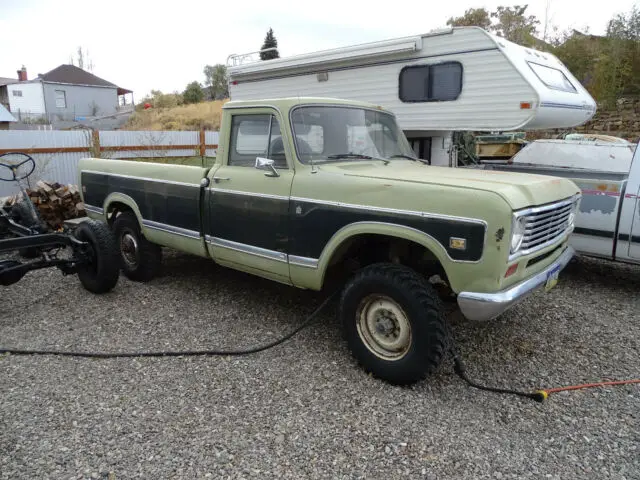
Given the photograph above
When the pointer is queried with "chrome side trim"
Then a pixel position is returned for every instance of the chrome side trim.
(163, 227)
(487, 306)
(249, 194)
(249, 249)
(94, 209)
(147, 179)
(414, 213)
(303, 261)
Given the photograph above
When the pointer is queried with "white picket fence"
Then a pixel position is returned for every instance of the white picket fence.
(54, 161)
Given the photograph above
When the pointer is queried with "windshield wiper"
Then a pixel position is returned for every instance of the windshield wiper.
(349, 155)
(415, 159)
(355, 155)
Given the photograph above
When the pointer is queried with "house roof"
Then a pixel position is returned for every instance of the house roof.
(7, 81)
(75, 76)
(5, 116)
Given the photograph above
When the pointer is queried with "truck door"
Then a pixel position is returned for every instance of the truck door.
(633, 197)
(248, 196)
(629, 226)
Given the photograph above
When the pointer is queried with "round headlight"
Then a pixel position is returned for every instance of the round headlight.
(518, 234)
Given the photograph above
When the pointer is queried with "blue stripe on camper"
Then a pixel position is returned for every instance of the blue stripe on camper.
(566, 105)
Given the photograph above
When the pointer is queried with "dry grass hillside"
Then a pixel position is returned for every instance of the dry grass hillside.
(183, 117)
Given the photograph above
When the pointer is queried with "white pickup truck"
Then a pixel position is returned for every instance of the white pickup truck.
(608, 222)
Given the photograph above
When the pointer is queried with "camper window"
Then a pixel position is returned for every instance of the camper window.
(431, 83)
(552, 77)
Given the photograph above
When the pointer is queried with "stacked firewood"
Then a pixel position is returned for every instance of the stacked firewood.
(56, 203)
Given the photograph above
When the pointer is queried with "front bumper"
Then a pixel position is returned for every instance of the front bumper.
(487, 306)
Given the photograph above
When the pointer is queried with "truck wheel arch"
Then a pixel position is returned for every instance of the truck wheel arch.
(117, 203)
(344, 238)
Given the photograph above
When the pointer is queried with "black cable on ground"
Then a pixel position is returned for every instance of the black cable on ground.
(62, 353)
(460, 369)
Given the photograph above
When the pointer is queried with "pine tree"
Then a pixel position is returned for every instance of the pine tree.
(269, 42)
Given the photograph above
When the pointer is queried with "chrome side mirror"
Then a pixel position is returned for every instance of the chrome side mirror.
(267, 164)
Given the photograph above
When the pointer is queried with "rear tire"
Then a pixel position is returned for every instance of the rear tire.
(140, 259)
(394, 323)
(101, 274)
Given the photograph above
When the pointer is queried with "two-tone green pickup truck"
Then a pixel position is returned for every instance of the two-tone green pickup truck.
(305, 191)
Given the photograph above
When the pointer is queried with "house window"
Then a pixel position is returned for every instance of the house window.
(552, 77)
(431, 83)
(61, 99)
(17, 93)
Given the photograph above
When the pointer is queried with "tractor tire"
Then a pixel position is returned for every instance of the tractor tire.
(101, 274)
(394, 323)
(140, 259)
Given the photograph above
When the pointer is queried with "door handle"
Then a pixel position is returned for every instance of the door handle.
(220, 179)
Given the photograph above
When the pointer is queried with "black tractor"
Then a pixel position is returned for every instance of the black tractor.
(87, 249)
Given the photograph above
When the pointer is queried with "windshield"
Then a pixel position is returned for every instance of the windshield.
(332, 134)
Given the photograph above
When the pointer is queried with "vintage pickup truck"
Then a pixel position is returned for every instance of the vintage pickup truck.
(314, 191)
(608, 175)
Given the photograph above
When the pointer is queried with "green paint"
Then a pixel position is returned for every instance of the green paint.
(489, 196)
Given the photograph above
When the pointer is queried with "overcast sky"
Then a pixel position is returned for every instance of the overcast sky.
(144, 45)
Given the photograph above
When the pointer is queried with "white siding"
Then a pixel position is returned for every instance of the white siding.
(490, 98)
(30, 104)
(211, 138)
(62, 167)
(121, 138)
(57, 167)
(496, 80)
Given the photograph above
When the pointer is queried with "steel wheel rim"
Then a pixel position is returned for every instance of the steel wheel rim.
(129, 249)
(384, 327)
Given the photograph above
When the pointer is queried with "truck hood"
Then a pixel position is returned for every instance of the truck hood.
(520, 190)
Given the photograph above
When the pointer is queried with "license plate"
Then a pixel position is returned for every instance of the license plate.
(552, 278)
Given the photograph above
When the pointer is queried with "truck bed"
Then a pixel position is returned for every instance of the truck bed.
(168, 196)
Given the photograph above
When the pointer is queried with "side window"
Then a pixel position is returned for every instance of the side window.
(431, 83)
(255, 136)
(446, 81)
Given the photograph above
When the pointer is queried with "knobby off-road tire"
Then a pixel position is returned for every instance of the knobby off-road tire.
(394, 323)
(139, 259)
(21, 213)
(101, 274)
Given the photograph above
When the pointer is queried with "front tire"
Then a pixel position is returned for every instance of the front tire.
(101, 273)
(394, 323)
(140, 259)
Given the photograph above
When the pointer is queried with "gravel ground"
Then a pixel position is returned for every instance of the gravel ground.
(305, 409)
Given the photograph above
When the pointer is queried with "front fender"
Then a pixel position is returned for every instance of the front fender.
(310, 277)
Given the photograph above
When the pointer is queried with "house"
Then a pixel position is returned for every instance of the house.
(63, 96)
(5, 118)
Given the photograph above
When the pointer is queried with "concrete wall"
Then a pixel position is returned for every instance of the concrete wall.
(79, 101)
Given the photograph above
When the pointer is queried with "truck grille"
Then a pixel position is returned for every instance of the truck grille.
(544, 225)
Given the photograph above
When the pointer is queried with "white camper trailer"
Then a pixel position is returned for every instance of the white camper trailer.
(457, 79)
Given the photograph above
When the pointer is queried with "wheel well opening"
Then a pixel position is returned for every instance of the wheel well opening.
(115, 209)
(365, 249)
